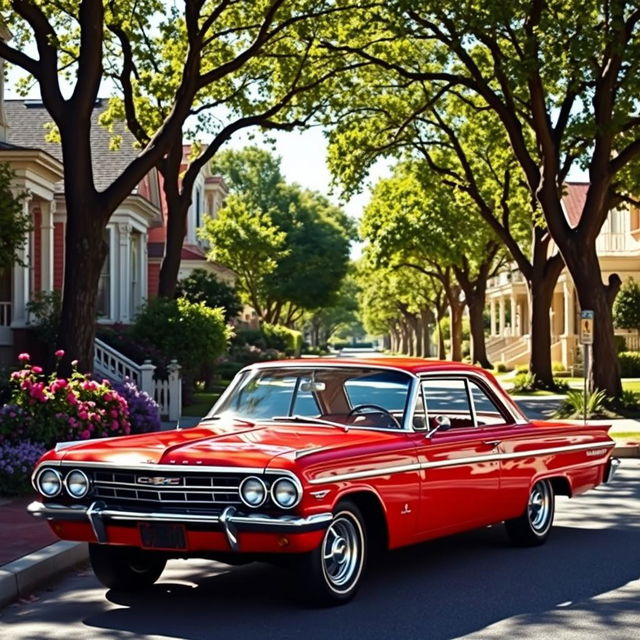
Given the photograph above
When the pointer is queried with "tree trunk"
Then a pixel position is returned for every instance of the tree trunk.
(177, 210)
(456, 309)
(583, 264)
(442, 350)
(475, 303)
(426, 317)
(544, 276)
(85, 252)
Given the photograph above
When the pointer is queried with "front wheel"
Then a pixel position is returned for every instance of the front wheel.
(533, 526)
(331, 574)
(125, 568)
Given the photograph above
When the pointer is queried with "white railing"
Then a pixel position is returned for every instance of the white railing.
(110, 363)
(5, 314)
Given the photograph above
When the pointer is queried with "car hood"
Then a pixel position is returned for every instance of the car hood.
(232, 444)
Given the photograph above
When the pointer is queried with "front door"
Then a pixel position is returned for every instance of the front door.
(460, 461)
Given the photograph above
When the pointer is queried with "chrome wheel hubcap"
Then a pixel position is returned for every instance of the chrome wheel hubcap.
(341, 551)
(540, 506)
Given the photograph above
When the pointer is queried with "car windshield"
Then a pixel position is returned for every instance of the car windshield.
(358, 396)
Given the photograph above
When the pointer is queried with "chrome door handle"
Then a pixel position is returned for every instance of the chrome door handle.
(492, 443)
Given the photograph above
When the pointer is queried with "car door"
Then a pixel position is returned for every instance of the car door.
(460, 460)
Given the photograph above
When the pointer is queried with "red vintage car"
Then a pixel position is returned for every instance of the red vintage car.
(318, 462)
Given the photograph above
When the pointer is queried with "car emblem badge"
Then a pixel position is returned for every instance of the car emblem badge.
(158, 480)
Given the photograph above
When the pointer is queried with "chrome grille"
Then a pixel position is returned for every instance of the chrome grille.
(167, 489)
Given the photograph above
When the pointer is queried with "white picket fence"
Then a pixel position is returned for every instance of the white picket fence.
(111, 364)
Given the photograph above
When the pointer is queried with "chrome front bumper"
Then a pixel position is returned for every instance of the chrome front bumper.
(231, 522)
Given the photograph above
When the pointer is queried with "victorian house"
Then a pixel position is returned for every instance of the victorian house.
(618, 247)
(135, 233)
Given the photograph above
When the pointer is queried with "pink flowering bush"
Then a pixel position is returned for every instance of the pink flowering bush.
(49, 410)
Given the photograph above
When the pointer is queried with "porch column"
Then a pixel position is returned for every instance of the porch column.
(22, 278)
(513, 315)
(492, 311)
(46, 235)
(124, 275)
(569, 311)
(502, 316)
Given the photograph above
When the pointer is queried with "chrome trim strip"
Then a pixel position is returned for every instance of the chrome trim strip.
(370, 473)
(254, 521)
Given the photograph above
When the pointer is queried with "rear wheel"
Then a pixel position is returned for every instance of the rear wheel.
(533, 526)
(331, 574)
(125, 568)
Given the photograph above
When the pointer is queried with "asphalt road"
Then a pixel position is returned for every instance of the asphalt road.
(584, 583)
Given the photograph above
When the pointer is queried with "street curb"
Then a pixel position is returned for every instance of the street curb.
(21, 577)
(627, 451)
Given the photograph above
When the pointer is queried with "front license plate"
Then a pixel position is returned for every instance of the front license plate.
(154, 535)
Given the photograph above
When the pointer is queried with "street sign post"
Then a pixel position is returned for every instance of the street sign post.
(586, 326)
(587, 319)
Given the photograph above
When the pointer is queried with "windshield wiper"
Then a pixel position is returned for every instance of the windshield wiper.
(299, 418)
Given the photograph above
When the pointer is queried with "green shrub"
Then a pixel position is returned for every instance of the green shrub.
(202, 286)
(630, 400)
(501, 367)
(192, 333)
(629, 364)
(526, 382)
(523, 382)
(522, 368)
(282, 338)
(574, 405)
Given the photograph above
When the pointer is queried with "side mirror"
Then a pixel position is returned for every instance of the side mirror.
(441, 423)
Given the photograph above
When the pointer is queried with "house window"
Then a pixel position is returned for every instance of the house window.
(198, 204)
(104, 283)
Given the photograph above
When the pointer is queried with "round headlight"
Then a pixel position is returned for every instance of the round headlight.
(253, 492)
(49, 483)
(286, 493)
(77, 483)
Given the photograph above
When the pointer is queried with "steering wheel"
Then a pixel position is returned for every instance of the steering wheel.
(359, 408)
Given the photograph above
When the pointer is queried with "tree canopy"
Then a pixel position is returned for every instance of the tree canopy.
(289, 246)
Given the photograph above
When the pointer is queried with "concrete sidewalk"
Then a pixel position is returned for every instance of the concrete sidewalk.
(30, 556)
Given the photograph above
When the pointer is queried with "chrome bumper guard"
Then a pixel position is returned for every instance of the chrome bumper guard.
(612, 467)
(231, 522)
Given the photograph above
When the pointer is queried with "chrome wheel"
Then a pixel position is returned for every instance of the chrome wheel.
(540, 509)
(342, 551)
(533, 526)
(332, 572)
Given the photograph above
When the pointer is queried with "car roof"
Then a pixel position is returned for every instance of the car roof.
(410, 365)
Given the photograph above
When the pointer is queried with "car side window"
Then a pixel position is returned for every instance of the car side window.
(486, 410)
(447, 398)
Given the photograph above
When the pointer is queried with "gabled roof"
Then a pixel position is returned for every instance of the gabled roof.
(573, 200)
(27, 120)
